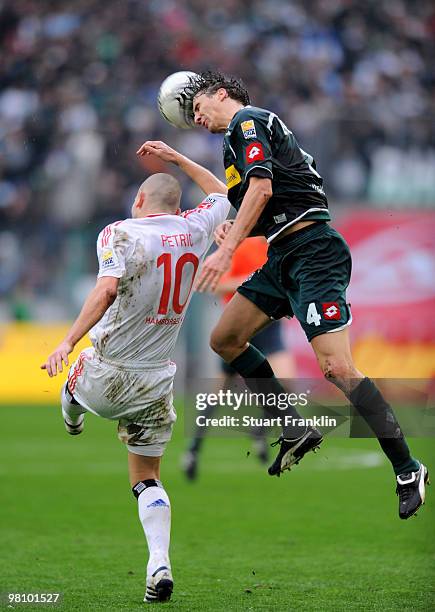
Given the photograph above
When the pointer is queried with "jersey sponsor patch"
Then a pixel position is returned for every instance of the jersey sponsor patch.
(108, 259)
(254, 152)
(232, 176)
(248, 129)
(331, 311)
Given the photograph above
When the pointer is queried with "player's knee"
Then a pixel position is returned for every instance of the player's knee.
(217, 342)
(338, 369)
(222, 342)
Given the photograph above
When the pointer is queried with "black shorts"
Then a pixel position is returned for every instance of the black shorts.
(268, 341)
(306, 275)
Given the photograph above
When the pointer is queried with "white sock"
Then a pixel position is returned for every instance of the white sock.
(155, 515)
(73, 413)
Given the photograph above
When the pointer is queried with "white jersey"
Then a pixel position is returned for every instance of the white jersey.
(157, 259)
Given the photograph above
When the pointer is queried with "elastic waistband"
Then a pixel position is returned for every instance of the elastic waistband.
(134, 365)
(301, 235)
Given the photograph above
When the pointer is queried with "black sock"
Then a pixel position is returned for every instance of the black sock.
(195, 444)
(380, 417)
(254, 368)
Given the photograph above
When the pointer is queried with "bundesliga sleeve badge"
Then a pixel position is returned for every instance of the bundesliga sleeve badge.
(108, 259)
(248, 129)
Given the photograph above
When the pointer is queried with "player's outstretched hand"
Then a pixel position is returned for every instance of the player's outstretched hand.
(159, 148)
(53, 365)
(214, 267)
(222, 230)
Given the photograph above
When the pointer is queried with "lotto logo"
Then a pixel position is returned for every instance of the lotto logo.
(254, 152)
(331, 311)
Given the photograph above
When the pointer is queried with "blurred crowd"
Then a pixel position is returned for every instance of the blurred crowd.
(354, 80)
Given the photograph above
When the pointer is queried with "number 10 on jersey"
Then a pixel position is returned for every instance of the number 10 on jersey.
(165, 260)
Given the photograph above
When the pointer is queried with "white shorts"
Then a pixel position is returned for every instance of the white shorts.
(139, 398)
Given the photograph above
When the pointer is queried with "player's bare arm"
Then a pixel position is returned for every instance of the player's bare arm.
(222, 230)
(205, 179)
(98, 301)
(254, 202)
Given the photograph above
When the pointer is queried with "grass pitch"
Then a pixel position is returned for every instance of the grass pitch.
(324, 537)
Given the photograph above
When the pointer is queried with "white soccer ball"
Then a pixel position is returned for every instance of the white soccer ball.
(174, 105)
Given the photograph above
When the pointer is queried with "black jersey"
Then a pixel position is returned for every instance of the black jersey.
(258, 143)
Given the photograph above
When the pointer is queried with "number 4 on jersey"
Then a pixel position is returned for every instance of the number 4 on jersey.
(312, 315)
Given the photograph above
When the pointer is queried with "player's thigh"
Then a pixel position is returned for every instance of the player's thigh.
(141, 467)
(240, 320)
(257, 301)
(148, 431)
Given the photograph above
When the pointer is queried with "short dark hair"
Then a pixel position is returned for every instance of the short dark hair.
(209, 81)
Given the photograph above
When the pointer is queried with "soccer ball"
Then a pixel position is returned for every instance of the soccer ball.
(174, 105)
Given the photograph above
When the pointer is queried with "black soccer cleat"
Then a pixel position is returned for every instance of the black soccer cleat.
(292, 451)
(411, 491)
(159, 586)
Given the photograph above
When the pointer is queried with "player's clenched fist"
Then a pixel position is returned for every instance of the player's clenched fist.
(54, 363)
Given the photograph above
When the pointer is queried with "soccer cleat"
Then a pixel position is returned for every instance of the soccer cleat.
(292, 451)
(411, 491)
(189, 464)
(74, 429)
(159, 586)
